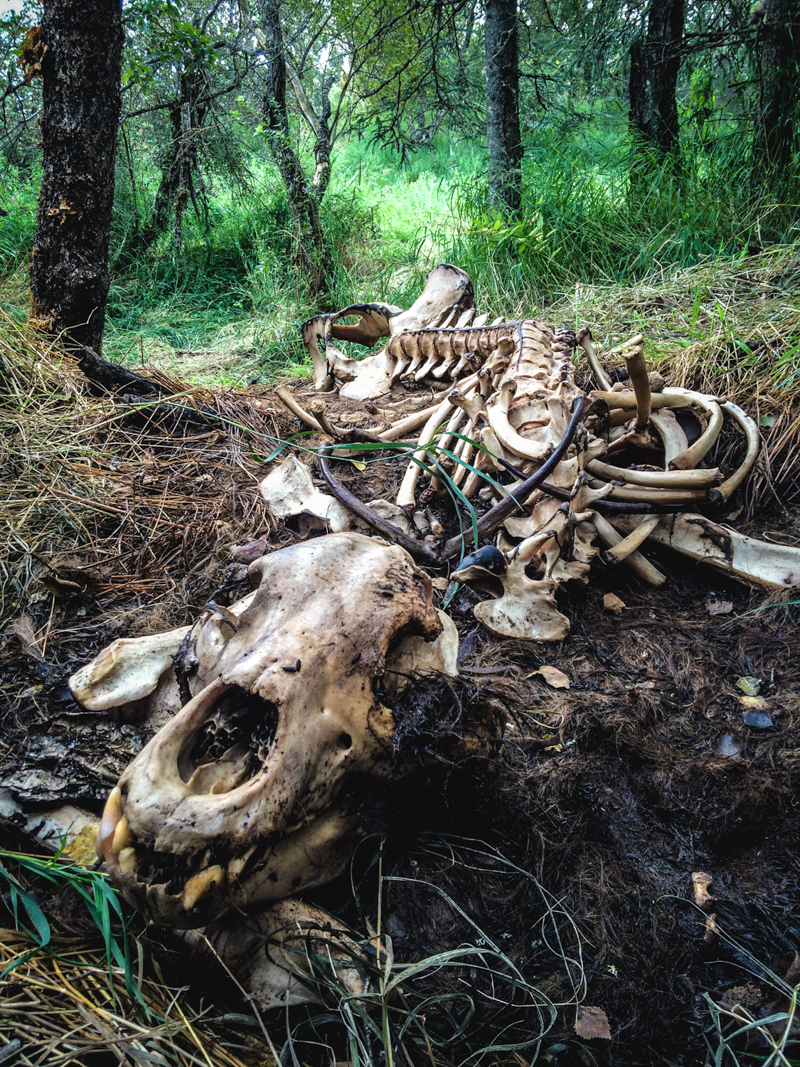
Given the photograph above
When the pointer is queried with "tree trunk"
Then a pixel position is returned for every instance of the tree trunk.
(655, 63)
(503, 138)
(778, 49)
(80, 115)
(310, 253)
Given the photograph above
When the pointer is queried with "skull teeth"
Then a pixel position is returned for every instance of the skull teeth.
(127, 860)
(237, 865)
(112, 813)
(199, 885)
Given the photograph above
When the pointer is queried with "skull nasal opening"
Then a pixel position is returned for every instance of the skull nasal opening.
(231, 745)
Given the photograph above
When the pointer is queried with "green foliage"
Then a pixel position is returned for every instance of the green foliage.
(95, 892)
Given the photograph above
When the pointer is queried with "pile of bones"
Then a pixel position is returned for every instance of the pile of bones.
(267, 708)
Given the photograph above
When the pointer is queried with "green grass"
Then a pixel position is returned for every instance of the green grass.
(230, 310)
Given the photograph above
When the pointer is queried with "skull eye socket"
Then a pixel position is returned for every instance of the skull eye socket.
(240, 728)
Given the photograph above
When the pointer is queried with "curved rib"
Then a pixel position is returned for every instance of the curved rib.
(642, 495)
(289, 402)
(695, 452)
(680, 479)
(584, 339)
(730, 485)
(418, 549)
(497, 413)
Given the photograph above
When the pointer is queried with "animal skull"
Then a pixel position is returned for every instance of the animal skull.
(240, 799)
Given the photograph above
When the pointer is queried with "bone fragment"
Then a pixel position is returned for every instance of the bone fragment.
(636, 561)
(128, 669)
(288, 401)
(636, 537)
(762, 562)
(673, 479)
(284, 955)
(414, 655)
(637, 371)
(730, 485)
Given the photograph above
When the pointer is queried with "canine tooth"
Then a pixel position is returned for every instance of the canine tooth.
(112, 813)
(127, 860)
(236, 866)
(122, 836)
(199, 884)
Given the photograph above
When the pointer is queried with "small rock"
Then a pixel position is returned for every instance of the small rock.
(757, 719)
(612, 603)
(726, 746)
(440, 583)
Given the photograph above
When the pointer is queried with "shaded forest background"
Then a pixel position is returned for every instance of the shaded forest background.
(279, 158)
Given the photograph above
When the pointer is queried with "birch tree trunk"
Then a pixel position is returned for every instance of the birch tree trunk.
(503, 137)
(80, 65)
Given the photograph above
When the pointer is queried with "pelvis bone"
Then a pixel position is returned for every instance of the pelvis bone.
(239, 799)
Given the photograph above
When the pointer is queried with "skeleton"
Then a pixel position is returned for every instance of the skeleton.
(241, 799)
(620, 466)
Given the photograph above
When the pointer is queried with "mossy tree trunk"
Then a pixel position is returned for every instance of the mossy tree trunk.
(503, 136)
(81, 52)
(655, 64)
(778, 112)
(311, 255)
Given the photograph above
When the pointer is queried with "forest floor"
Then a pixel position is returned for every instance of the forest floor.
(574, 851)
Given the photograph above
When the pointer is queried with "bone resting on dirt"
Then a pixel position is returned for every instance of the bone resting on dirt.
(236, 803)
(274, 705)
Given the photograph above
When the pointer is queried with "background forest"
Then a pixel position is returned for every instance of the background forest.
(651, 137)
(630, 166)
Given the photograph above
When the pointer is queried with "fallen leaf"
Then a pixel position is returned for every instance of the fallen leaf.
(591, 1023)
(645, 685)
(754, 703)
(727, 746)
(554, 677)
(23, 628)
(757, 719)
(719, 607)
(611, 602)
(749, 686)
(440, 583)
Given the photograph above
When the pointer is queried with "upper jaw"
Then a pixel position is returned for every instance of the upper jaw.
(191, 889)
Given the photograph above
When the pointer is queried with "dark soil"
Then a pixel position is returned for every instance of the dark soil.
(611, 793)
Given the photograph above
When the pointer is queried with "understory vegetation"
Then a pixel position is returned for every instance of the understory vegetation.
(228, 309)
